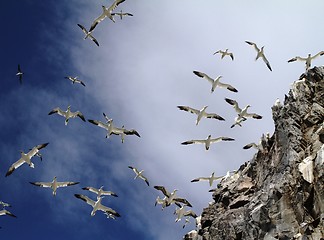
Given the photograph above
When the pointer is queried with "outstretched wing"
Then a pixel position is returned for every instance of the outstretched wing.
(189, 109)
(85, 198)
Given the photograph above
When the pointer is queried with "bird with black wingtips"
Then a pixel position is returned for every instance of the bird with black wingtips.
(106, 12)
(139, 174)
(6, 212)
(210, 179)
(182, 212)
(201, 113)
(96, 205)
(100, 192)
(215, 82)
(19, 74)
(26, 158)
(224, 53)
(121, 14)
(260, 53)
(75, 80)
(67, 114)
(171, 197)
(307, 59)
(207, 141)
(88, 34)
(54, 185)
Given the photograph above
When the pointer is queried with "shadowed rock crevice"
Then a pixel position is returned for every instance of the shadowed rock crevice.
(279, 193)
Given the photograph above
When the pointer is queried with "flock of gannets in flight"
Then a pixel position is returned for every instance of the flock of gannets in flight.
(169, 197)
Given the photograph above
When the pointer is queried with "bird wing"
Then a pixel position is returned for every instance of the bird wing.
(65, 184)
(219, 51)
(19, 70)
(193, 142)
(182, 200)
(58, 111)
(145, 179)
(190, 213)
(247, 146)
(228, 86)
(214, 140)
(36, 149)
(131, 132)
(91, 189)
(95, 41)
(204, 75)
(215, 116)
(98, 123)
(85, 198)
(42, 184)
(189, 109)
(232, 56)
(163, 190)
(134, 169)
(266, 61)
(80, 115)
(253, 115)
(200, 178)
(318, 54)
(254, 45)
(98, 20)
(83, 28)
(234, 104)
(108, 210)
(14, 166)
(6, 212)
(115, 5)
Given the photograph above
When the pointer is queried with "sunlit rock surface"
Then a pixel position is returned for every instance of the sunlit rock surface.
(279, 194)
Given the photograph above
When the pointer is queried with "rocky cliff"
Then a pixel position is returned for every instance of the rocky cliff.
(279, 194)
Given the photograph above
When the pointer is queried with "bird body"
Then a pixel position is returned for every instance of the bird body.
(307, 59)
(67, 114)
(182, 212)
(201, 113)
(88, 34)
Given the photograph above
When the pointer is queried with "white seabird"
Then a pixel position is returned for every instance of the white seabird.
(260, 53)
(225, 53)
(107, 12)
(121, 14)
(19, 74)
(238, 120)
(242, 113)
(6, 212)
(54, 185)
(182, 212)
(111, 129)
(215, 82)
(162, 201)
(67, 114)
(201, 113)
(208, 141)
(307, 59)
(88, 34)
(210, 179)
(75, 80)
(100, 192)
(97, 205)
(4, 204)
(172, 197)
(26, 158)
(139, 174)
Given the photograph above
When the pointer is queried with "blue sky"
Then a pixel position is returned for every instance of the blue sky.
(138, 75)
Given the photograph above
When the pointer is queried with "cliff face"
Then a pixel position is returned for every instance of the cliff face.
(279, 194)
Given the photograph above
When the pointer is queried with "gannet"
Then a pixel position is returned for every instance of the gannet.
(186, 222)
(162, 201)
(74, 80)
(208, 141)
(111, 129)
(100, 192)
(6, 212)
(171, 197)
(121, 14)
(67, 114)
(210, 179)
(201, 113)
(260, 54)
(97, 205)
(242, 113)
(215, 82)
(54, 185)
(139, 174)
(250, 145)
(19, 74)
(88, 34)
(238, 120)
(307, 59)
(182, 212)
(225, 53)
(4, 205)
(106, 13)
(26, 158)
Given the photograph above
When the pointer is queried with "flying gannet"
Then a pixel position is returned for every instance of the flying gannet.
(54, 185)
(106, 12)
(139, 174)
(182, 212)
(225, 53)
(215, 82)
(100, 192)
(238, 120)
(307, 59)
(121, 14)
(111, 129)
(208, 141)
(162, 201)
(26, 158)
(242, 113)
(88, 34)
(75, 80)
(19, 74)
(172, 197)
(201, 113)
(97, 205)
(4, 205)
(6, 212)
(210, 179)
(260, 53)
(67, 114)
